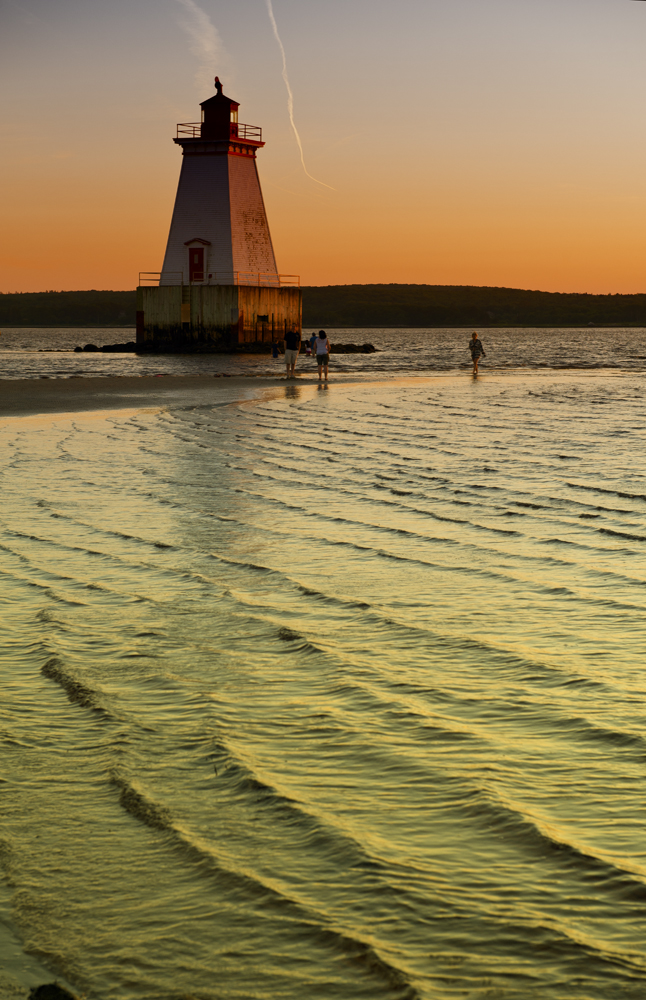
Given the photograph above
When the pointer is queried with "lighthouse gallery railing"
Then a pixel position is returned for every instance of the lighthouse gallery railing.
(220, 278)
(193, 130)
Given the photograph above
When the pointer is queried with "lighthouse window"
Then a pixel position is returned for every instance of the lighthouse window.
(234, 115)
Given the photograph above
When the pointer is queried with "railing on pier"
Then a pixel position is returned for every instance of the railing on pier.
(193, 130)
(155, 278)
(220, 278)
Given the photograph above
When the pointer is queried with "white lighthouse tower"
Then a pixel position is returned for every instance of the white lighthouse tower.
(219, 231)
(219, 285)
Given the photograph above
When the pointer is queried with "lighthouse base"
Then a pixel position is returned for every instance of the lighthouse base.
(215, 318)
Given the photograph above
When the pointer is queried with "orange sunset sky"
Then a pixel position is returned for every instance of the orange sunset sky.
(483, 142)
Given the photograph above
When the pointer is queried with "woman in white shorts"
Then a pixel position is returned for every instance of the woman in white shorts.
(322, 348)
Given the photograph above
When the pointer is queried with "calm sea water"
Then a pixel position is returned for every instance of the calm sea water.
(334, 693)
(47, 353)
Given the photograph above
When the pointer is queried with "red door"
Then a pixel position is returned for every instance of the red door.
(196, 264)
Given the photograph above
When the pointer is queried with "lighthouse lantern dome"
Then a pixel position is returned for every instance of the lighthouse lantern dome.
(219, 113)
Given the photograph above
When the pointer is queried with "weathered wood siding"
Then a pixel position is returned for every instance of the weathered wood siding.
(214, 310)
(251, 243)
(218, 316)
(162, 313)
(281, 306)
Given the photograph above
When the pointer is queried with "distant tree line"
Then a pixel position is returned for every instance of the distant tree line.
(63, 309)
(359, 306)
(464, 305)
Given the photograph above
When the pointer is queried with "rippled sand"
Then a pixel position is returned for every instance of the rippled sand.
(329, 693)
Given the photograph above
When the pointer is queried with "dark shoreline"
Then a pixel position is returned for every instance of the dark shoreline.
(375, 326)
(376, 306)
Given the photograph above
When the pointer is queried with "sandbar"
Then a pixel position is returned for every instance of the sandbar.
(29, 397)
(32, 397)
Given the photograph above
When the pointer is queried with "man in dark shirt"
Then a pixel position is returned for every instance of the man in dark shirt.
(292, 350)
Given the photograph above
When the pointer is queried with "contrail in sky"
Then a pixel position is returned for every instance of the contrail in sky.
(290, 96)
(205, 40)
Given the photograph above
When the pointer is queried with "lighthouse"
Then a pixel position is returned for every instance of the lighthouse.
(219, 287)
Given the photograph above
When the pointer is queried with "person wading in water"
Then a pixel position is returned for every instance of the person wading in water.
(322, 348)
(292, 343)
(476, 348)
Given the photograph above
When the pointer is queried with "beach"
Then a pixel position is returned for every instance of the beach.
(324, 691)
(24, 397)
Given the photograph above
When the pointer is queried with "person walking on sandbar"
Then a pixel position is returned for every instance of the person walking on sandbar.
(322, 348)
(476, 348)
